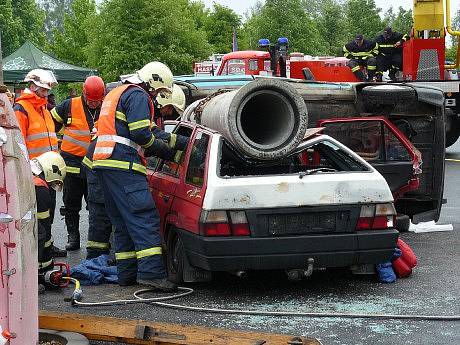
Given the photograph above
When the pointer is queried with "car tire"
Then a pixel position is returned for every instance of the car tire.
(452, 128)
(402, 223)
(388, 94)
(175, 258)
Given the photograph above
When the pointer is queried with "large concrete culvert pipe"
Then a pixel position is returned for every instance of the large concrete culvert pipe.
(265, 119)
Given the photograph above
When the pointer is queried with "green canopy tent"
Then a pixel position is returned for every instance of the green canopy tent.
(28, 57)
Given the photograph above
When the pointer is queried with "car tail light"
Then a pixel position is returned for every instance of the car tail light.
(376, 217)
(223, 223)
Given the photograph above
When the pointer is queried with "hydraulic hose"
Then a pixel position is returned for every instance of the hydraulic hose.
(187, 291)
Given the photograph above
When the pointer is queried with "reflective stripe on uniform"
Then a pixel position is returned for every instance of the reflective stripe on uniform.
(121, 140)
(139, 124)
(360, 53)
(75, 141)
(88, 162)
(120, 116)
(42, 149)
(56, 116)
(148, 252)
(45, 264)
(111, 163)
(150, 142)
(138, 167)
(43, 215)
(40, 136)
(371, 68)
(172, 140)
(97, 245)
(125, 255)
(78, 132)
(356, 68)
(386, 45)
(48, 243)
(72, 170)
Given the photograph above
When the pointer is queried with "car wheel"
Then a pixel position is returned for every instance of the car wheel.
(452, 128)
(402, 223)
(175, 258)
(388, 94)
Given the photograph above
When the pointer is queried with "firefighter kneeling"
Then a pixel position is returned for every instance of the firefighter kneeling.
(48, 171)
(362, 54)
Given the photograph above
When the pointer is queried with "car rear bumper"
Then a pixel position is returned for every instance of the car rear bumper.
(246, 253)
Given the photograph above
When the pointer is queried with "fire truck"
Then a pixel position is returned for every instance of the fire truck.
(423, 61)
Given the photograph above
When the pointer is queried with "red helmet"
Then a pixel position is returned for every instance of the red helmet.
(94, 88)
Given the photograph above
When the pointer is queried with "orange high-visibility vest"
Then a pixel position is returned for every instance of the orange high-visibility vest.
(77, 136)
(106, 132)
(41, 136)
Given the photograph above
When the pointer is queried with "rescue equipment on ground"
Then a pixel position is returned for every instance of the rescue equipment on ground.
(404, 264)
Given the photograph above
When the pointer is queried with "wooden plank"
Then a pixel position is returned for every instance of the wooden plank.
(141, 332)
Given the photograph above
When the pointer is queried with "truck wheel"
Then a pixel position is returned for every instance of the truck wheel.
(175, 258)
(388, 94)
(402, 222)
(452, 128)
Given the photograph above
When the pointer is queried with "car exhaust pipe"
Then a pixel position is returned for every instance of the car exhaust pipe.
(299, 274)
(265, 119)
(240, 274)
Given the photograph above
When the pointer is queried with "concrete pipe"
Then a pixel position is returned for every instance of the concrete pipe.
(265, 119)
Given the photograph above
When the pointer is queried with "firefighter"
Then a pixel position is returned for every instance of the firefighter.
(36, 124)
(100, 227)
(126, 135)
(48, 171)
(389, 53)
(362, 54)
(77, 116)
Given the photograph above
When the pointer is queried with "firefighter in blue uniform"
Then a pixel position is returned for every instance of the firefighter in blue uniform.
(126, 134)
(361, 53)
(389, 53)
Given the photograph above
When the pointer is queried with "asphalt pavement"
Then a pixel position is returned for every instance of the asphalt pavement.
(433, 289)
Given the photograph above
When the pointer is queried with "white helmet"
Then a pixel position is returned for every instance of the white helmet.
(41, 78)
(176, 99)
(156, 75)
(53, 166)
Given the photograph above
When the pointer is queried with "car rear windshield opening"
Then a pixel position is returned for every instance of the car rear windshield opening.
(320, 157)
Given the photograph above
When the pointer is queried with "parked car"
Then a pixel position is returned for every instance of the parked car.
(220, 211)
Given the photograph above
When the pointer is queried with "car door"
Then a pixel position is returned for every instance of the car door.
(191, 191)
(163, 179)
(381, 144)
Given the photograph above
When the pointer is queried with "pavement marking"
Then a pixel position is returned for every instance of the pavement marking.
(453, 160)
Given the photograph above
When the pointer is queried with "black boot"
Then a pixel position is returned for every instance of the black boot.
(73, 241)
(57, 253)
(160, 284)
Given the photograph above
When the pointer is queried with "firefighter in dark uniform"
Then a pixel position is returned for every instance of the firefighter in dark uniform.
(77, 115)
(361, 53)
(48, 171)
(389, 53)
(126, 134)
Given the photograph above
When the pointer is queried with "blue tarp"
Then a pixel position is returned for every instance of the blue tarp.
(95, 271)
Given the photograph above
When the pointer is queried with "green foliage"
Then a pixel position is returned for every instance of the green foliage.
(401, 22)
(332, 26)
(129, 33)
(55, 11)
(285, 18)
(363, 18)
(20, 20)
(219, 26)
(70, 43)
(455, 26)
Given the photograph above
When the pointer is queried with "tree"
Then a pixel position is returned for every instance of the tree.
(363, 18)
(332, 26)
(31, 21)
(278, 18)
(401, 22)
(219, 26)
(129, 33)
(9, 26)
(55, 11)
(70, 43)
